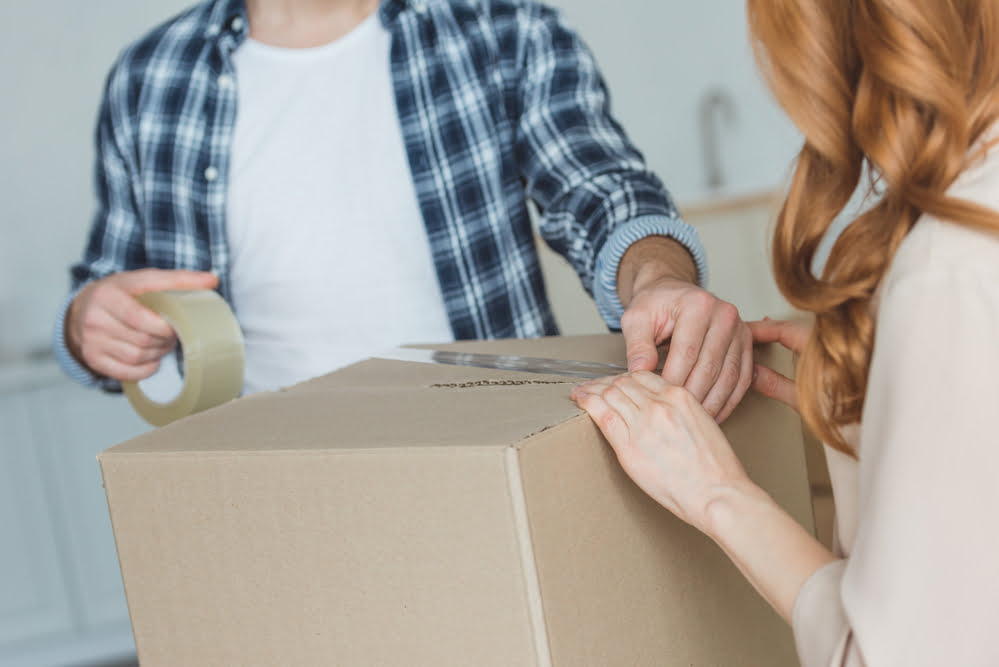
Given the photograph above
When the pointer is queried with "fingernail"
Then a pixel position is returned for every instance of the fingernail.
(756, 372)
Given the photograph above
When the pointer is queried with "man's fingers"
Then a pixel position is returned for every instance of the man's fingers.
(112, 368)
(640, 338)
(717, 363)
(154, 280)
(792, 335)
(731, 376)
(110, 339)
(101, 325)
(130, 313)
(133, 355)
(685, 347)
(774, 385)
(745, 377)
(124, 362)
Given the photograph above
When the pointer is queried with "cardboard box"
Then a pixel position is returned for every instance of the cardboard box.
(399, 513)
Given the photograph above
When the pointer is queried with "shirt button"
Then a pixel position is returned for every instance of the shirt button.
(214, 30)
(225, 81)
(237, 24)
(420, 6)
(211, 173)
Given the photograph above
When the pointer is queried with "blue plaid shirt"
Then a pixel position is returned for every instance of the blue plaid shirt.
(499, 102)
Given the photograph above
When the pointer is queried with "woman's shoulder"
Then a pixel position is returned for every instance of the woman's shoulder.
(942, 247)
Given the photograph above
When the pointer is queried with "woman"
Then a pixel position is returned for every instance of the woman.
(899, 374)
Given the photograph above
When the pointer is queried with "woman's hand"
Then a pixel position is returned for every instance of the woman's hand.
(793, 336)
(665, 441)
(676, 453)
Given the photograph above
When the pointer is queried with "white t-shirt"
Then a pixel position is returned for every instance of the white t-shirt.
(329, 255)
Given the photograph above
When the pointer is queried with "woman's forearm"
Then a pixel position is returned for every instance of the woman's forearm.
(772, 550)
(674, 451)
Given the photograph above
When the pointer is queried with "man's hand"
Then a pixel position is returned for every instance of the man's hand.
(711, 349)
(112, 334)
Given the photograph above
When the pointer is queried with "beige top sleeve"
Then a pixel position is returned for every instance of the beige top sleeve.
(921, 584)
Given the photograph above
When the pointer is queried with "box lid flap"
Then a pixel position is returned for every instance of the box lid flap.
(375, 404)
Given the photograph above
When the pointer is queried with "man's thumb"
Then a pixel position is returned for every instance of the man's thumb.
(640, 345)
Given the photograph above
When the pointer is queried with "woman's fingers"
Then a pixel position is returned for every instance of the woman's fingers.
(621, 393)
(792, 335)
(591, 397)
(774, 385)
(664, 440)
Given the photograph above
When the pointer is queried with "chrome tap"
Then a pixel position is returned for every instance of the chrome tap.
(717, 106)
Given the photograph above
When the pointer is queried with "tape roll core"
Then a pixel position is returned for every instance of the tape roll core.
(213, 354)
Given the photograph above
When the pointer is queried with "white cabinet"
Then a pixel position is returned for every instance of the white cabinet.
(88, 422)
(33, 600)
(61, 598)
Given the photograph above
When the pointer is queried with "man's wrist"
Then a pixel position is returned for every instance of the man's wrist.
(650, 260)
(67, 333)
(606, 292)
(67, 361)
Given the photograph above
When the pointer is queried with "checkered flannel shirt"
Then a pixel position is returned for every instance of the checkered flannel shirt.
(499, 103)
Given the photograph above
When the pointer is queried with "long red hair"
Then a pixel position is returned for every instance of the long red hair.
(902, 90)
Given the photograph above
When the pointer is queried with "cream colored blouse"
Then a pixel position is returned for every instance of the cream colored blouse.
(918, 515)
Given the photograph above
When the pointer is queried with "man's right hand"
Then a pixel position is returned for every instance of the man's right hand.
(114, 335)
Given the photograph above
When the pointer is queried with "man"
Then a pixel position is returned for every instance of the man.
(354, 174)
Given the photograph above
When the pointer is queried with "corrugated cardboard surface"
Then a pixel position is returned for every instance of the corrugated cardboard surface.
(626, 583)
(312, 559)
(410, 514)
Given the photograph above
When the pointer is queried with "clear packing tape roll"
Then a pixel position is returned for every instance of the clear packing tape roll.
(212, 355)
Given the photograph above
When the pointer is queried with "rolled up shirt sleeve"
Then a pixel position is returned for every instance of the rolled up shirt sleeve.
(593, 189)
(605, 291)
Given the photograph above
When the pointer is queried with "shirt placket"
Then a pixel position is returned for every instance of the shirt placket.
(222, 120)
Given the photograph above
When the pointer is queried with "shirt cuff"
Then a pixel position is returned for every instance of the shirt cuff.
(818, 619)
(605, 281)
(67, 362)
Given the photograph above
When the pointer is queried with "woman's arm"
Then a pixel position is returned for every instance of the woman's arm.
(920, 585)
(769, 547)
(676, 453)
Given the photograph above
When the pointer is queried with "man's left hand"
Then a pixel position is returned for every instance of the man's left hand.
(711, 348)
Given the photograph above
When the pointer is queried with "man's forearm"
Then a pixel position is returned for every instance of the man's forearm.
(651, 259)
